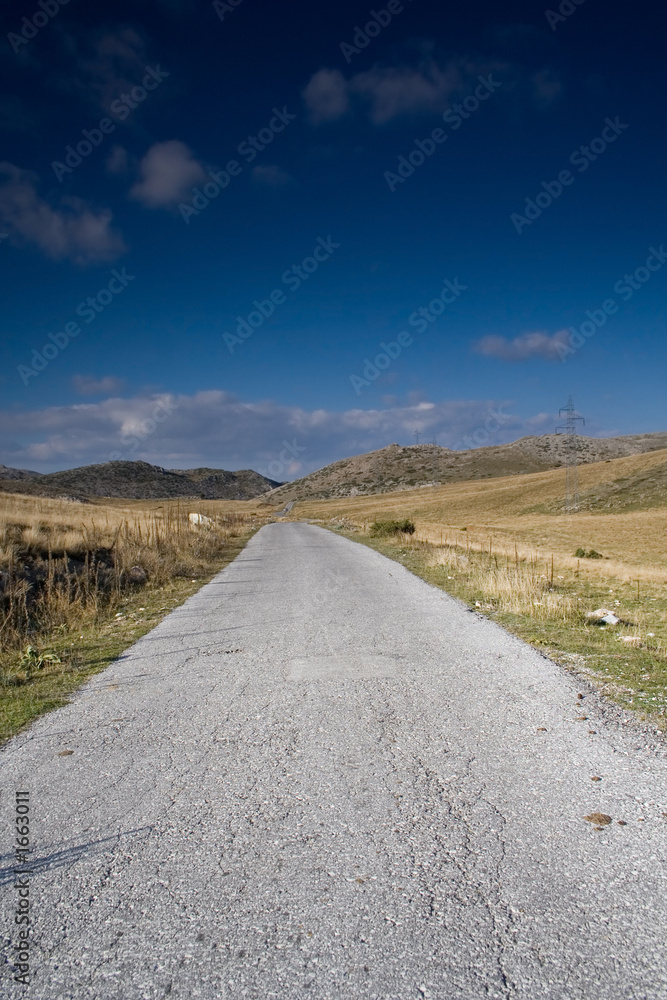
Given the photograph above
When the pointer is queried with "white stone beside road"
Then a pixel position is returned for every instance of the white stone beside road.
(323, 778)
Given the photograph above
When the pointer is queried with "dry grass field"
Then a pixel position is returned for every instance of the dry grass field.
(503, 512)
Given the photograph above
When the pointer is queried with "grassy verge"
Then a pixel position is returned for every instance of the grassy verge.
(548, 610)
(63, 648)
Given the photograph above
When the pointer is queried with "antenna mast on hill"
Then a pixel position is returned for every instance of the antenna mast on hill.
(569, 428)
(417, 436)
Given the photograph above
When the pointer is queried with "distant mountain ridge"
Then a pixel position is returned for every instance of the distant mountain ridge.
(140, 481)
(7, 473)
(395, 467)
(399, 467)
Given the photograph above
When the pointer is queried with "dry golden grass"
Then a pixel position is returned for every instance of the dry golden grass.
(62, 562)
(109, 510)
(519, 587)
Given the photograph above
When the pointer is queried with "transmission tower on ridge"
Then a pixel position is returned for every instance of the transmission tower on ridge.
(569, 428)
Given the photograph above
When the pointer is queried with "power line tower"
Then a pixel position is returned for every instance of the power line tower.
(417, 436)
(569, 428)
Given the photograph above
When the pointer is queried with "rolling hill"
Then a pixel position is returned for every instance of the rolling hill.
(399, 467)
(141, 481)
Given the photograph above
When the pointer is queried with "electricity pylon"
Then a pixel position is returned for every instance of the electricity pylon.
(569, 428)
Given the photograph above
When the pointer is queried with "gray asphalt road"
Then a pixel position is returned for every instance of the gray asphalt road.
(322, 778)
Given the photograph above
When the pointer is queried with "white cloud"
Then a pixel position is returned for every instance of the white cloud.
(73, 230)
(87, 385)
(386, 93)
(394, 92)
(215, 428)
(118, 160)
(327, 96)
(104, 64)
(525, 347)
(168, 172)
(271, 176)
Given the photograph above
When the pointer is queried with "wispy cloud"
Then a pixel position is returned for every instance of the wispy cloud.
(167, 172)
(387, 93)
(272, 176)
(104, 64)
(327, 96)
(87, 385)
(118, 160)
(390, 93)
(216, 428)
(71, 230)
(526, 347)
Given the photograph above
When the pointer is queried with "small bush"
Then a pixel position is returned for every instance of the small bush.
(383, 528)
(591, 554)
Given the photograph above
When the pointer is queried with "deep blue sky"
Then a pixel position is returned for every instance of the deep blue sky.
(160, 343)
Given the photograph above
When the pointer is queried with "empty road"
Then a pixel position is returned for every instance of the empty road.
(322, 778)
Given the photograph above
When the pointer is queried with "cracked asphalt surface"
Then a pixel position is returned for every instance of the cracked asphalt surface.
(323, 778)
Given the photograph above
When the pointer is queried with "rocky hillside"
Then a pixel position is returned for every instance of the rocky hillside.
(141, 481)
(407, 467)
